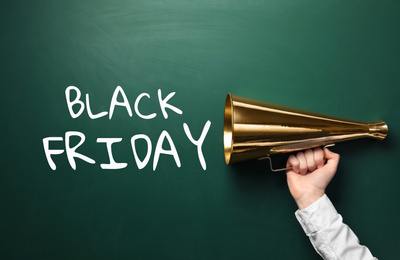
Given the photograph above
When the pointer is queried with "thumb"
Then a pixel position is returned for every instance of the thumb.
(333, 159)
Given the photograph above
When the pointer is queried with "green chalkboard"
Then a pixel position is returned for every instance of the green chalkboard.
(146, 71)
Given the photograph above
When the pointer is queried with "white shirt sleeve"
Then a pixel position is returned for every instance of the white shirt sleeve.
(331, 238)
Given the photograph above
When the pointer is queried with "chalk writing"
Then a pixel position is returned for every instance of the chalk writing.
(76, 107)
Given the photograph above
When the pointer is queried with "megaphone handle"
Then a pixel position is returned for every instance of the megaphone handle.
(276, 170)
(289, 168)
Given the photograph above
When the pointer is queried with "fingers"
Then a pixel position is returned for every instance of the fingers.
(319, 157)
(309, 160)
(294, 163)
(303, 163)
(298, 163)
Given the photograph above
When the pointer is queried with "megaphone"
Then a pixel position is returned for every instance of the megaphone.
(255, 129)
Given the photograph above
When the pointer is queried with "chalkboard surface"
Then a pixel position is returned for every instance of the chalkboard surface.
(112, 125)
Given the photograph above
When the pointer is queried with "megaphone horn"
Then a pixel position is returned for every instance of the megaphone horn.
(255, 129)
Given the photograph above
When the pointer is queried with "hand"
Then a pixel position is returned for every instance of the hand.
(309, 176)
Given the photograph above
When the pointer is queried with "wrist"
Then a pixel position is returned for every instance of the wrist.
(308, 199)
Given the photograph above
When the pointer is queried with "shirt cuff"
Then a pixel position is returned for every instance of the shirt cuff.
(317, 216)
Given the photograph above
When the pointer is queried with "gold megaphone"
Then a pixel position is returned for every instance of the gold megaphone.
(255, 129)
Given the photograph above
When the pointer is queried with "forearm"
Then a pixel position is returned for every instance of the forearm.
(331, 238)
